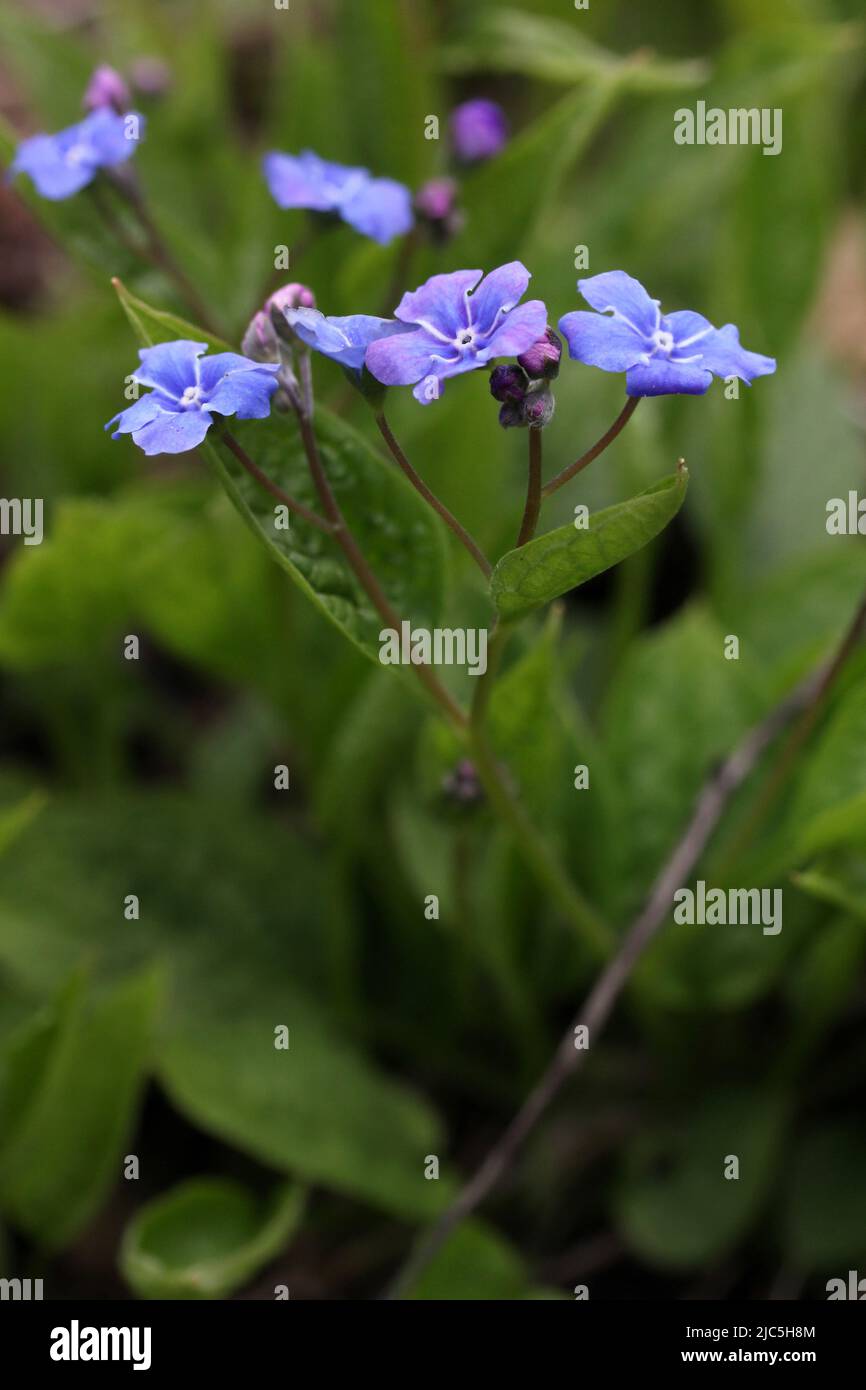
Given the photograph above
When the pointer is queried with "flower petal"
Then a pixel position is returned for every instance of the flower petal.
(722, 354)
(112, 137)
(601, 340)
(380, 208)
(140, 413)
(519, 330)
(295, 183)
(170, 366)
(439, 304)
(42, 158)
(406, 357)
(661, 377)
(625, 296)
(246, 394)
(432, 384)
(173, 433)
(498, 291)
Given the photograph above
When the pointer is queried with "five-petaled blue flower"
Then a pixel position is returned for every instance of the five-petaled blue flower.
(188, 390)
(61, 164)
(379, 208)
(661, 354)
(345, 340)
(457, 328)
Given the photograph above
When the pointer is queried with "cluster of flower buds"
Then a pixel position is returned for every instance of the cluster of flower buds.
(462, 785)
(268, 338)
(523, 388)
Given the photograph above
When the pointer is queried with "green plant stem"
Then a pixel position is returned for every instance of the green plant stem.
(599, 447)
(264, 481)
(530, 842)
(533, 490)
(430, 497)
(364, 574)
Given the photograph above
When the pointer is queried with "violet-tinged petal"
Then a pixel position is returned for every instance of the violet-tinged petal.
(520, 328)
(431, 386)
(722, 353)
(380, 208)
(602, 341)
(172, 367)
(106, 88)
(173, 433)
(293, 185)
(625, 296)
(498, 292)
(112, 138)
(54, 175)
(215, 366)
(242, 391)
(687, 328)
(140, 413)
(439, 304)
(479, 130)
(405, 358)
(661, 377)
(345, 339)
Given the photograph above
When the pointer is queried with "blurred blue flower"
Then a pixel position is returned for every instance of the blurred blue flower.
(379, 208)
(457, 328)
(479, 130)
(187, 392)
(672, 354)
(344, 340)
(61, 164)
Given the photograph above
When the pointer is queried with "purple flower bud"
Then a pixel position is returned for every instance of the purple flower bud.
(463, 785)
(106, 88)
(508, 382)
(538, 409)
(436, 199)
(479, 130)
(541, 361)
(260, 340)
(293, 296)
(511, 415)
(150, 76)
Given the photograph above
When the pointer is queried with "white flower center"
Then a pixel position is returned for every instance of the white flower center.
(664, 342)
(78, 154)
(191, 398)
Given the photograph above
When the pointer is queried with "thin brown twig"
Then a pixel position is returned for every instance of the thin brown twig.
(270, 486)
(710, 805)
(599, 447)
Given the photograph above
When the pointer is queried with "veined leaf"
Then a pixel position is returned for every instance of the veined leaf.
(561, 560)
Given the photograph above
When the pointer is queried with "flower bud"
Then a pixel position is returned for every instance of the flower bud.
(508, 382)
(538, 409)
(511, 415)
(151, 77)
(541, 361)
(479, 130)
(106, 88)
(260, 340)
(436, 206)
(293, 296)
(463, 785)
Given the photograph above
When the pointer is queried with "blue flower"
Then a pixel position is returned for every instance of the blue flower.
(379, 208)
(344, 340)
(187, 392)
(661, 354)
(61, 164)
(456, 330)
(479, 130)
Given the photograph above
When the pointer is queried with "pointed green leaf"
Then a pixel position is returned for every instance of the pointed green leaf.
(561, 560)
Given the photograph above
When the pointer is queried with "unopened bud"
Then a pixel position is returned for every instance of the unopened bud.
(538, 409)
(541, 361)
(260, 340)
(436, 205)
(463, 785)
(293, 296)
(508, 382)
(106, 88)
(151, 77)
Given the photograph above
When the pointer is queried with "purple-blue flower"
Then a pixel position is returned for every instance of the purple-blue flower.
(344, 340)
(458, 327)
(106, 88)
(661, 354)
(379, 208)
(479, 130)
(187, 390)
(61, 164)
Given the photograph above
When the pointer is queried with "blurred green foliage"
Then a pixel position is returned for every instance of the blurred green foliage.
(413, 1037)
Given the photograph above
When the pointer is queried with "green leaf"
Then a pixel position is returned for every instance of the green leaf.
(474, 1263)
(825, 1213)
(401, 539)
(553, 564)
(206, 1238)
(68, 1094)
(829, 807)
(693, 1213)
